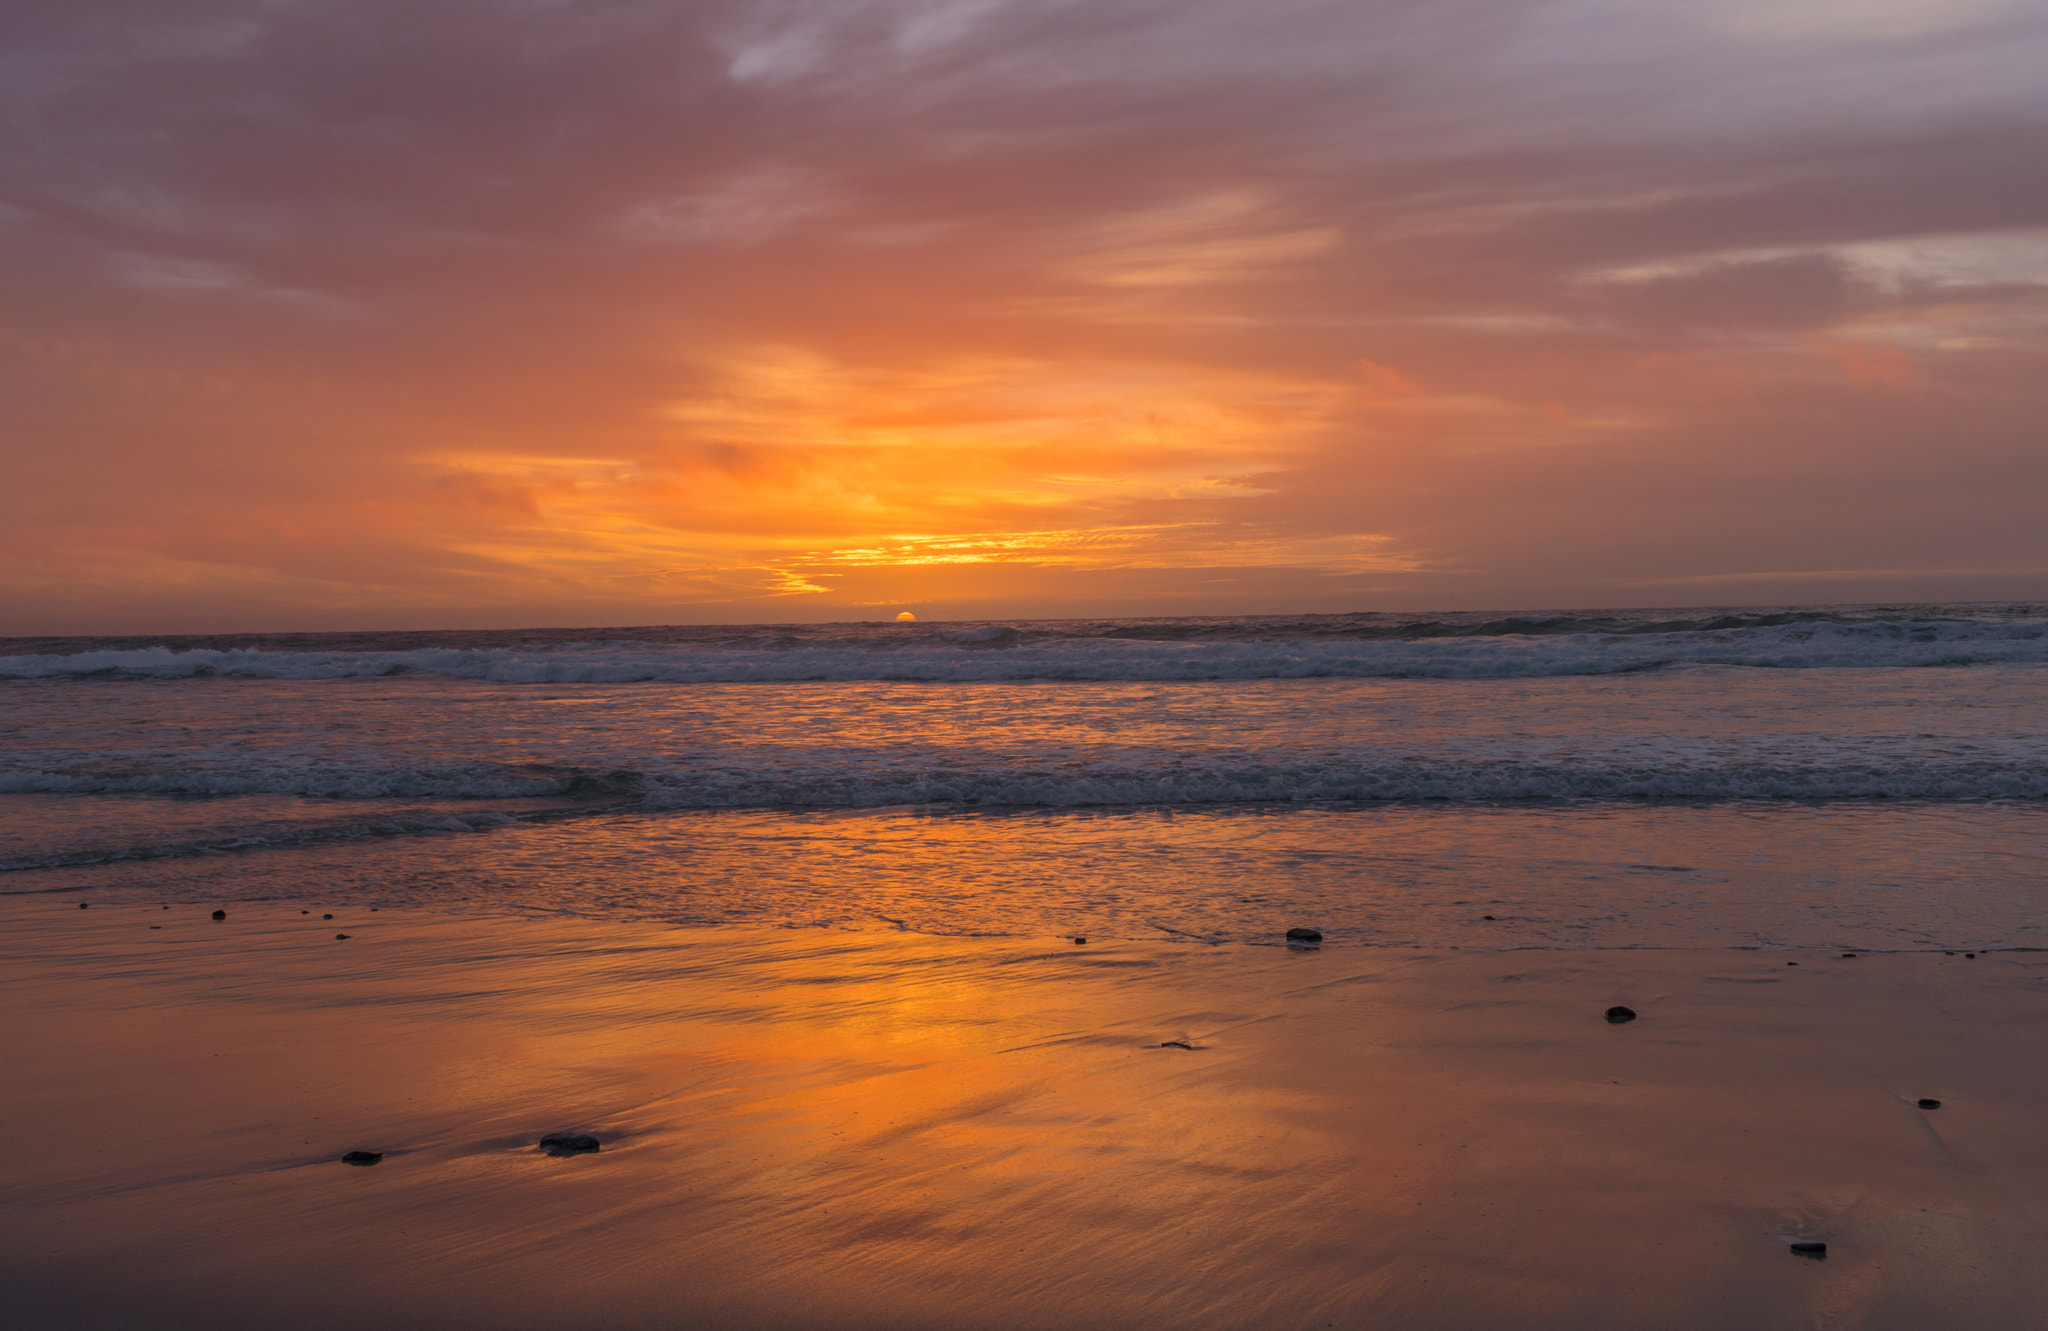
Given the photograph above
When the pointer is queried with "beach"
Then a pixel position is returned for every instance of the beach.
(811, 1127)
(926, 665)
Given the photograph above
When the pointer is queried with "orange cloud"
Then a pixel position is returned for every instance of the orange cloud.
(741, 311)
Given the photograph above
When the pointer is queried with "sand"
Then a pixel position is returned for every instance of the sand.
(826, 1129)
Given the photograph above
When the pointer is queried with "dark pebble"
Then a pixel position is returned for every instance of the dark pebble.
(305, 912)
(1926, 1103)
(156, 926)
(1791, 963)
(1304, 936)
(1815, 1250)
(83, 904)
(1175, 1044)
(1486, 917)
(326, 917)
(220, 915)
(1617, 1015)
(1971, 955)
(339, 937)
(1848, 956)
(1080, 940)
(568, 1141)
(362, 1157)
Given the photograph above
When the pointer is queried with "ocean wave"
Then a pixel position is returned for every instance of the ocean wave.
(1400, 780)
(399, 823)
(1004, 653)
(1184, 782)
(331, 781)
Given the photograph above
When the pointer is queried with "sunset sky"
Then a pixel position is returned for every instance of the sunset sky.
(404, 313)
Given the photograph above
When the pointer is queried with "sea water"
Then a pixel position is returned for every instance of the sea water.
(1836, 776)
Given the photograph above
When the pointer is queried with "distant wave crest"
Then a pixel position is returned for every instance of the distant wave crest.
(1000, 653)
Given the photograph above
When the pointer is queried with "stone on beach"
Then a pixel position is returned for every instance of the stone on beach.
(220, 915)
(569, 1141)
(1927, 1102)
(339, 937)
(1815, 1250)
(362, 1157)
(1617, 1014)
(1304, 936)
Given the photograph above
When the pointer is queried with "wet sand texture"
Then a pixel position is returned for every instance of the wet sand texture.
(803, 1128)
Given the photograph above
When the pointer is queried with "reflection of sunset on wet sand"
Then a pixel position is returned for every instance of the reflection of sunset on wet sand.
(805, 1128)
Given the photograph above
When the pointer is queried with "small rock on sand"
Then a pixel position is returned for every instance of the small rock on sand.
(1304, 936)
(362, 1157)
(1175, 1044)
(1079, 941)
(339, 937)
(1814, 1250)
(568, 1141)
(1927, 1103)
(326, 917)
(1617, 1014)
(220, 915)
(1848, 956)
(83, 904)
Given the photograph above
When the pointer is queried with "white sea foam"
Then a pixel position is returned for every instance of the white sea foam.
(996, 654)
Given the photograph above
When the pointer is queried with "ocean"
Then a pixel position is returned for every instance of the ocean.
(1855, 776)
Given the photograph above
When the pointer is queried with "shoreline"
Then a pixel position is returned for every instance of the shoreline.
(812, 1128)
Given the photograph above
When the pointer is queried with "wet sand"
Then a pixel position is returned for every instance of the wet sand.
(824, 1129)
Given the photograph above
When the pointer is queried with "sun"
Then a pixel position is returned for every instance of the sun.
(906, 618)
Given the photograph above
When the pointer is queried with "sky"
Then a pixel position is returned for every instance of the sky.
(414, 313)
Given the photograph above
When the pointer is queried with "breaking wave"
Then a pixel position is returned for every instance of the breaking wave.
(1181, 782)
(1004, 653)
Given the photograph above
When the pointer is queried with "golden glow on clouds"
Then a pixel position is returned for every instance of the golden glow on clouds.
(734, 310)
